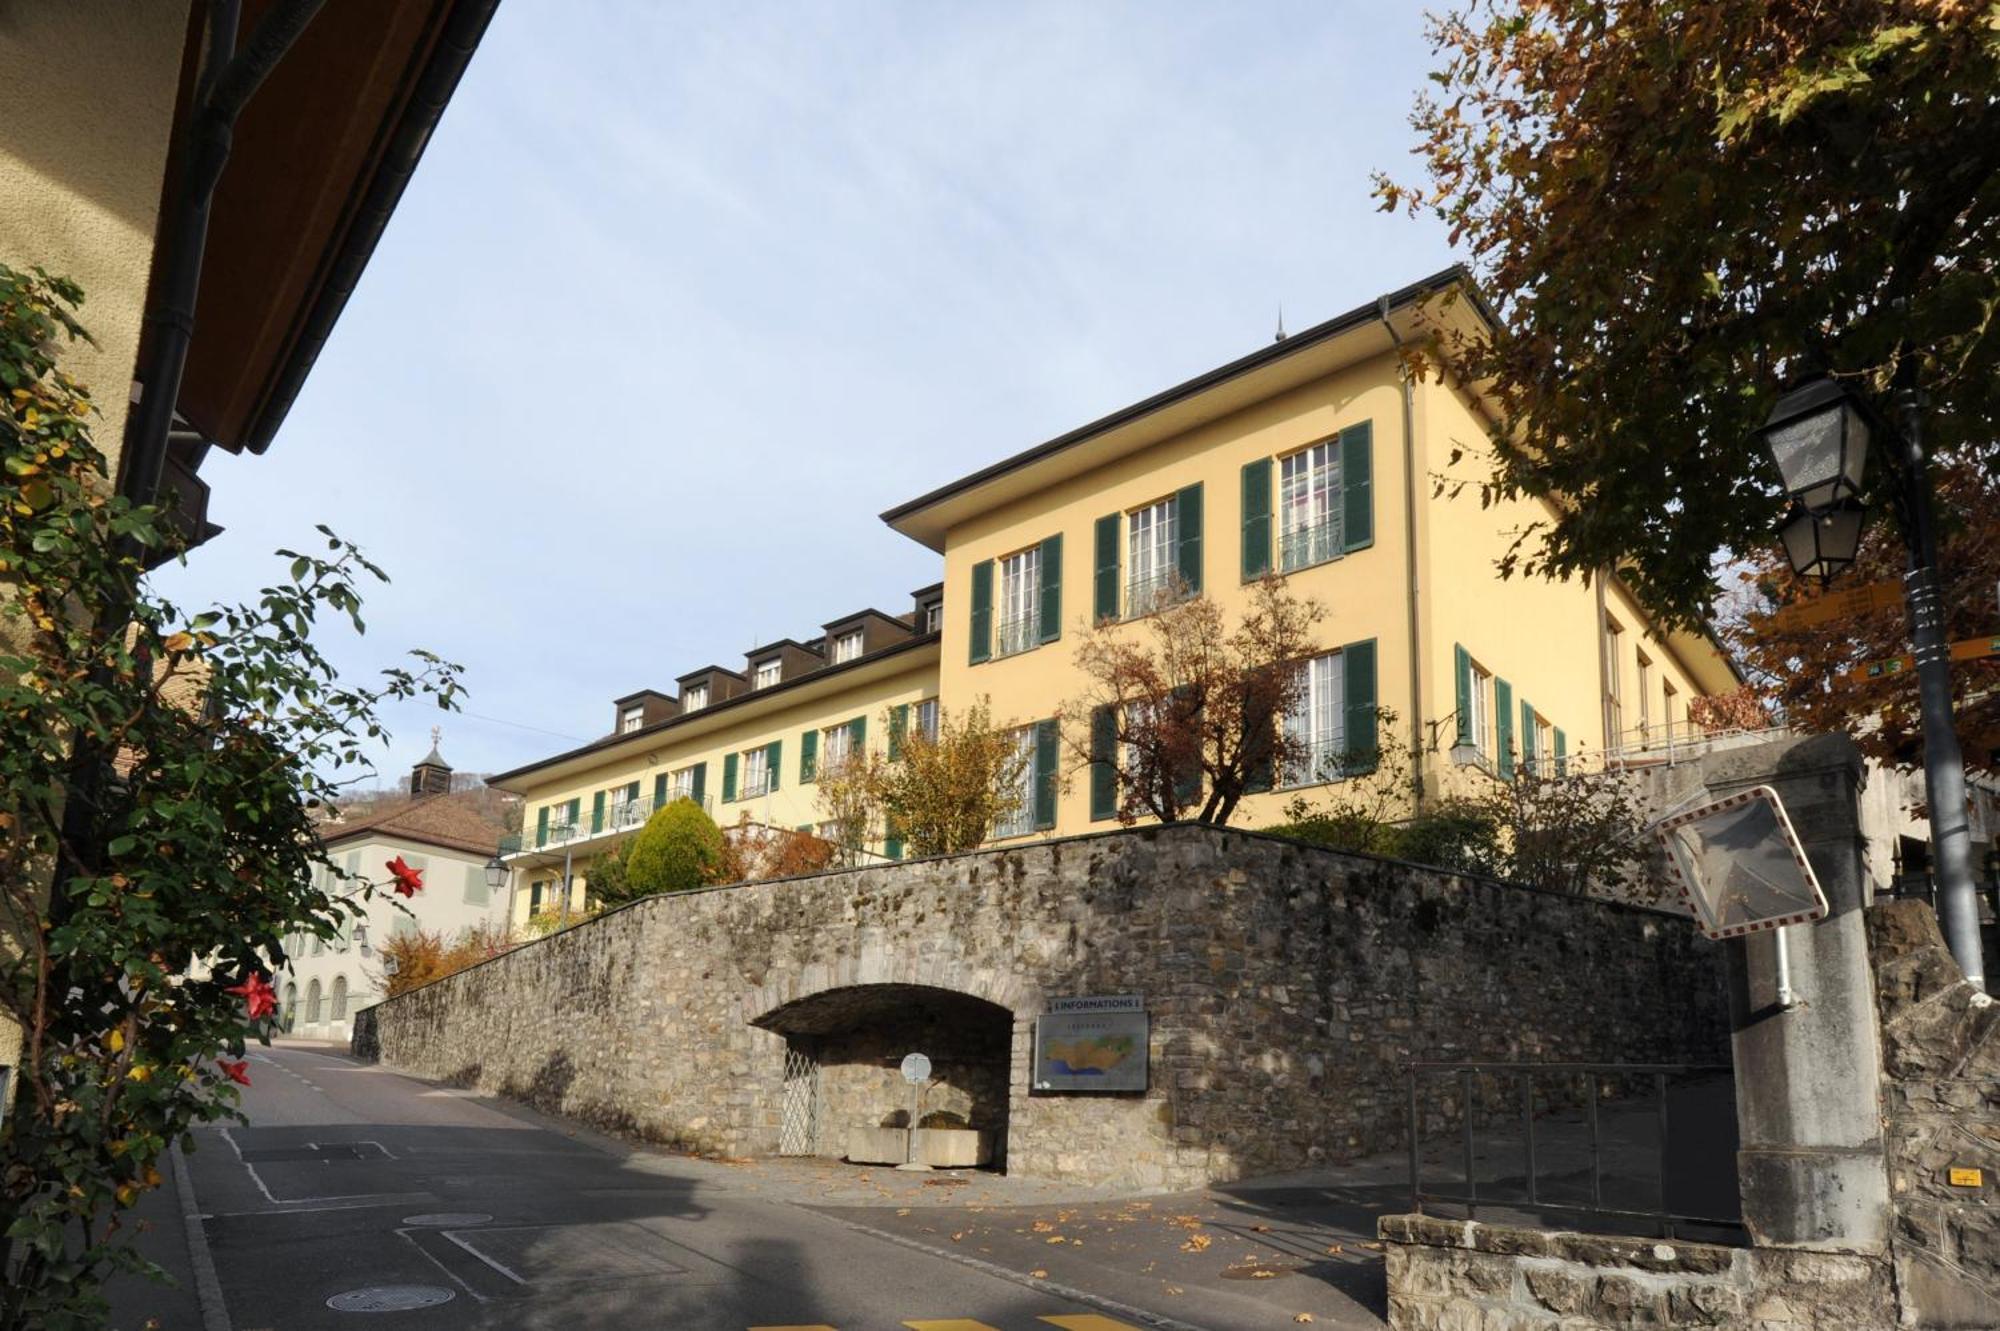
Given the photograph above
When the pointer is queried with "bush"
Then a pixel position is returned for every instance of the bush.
(421, 956)
(679, 848)
(1458, 835)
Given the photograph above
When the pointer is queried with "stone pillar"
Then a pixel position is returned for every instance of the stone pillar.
(1808, 1103)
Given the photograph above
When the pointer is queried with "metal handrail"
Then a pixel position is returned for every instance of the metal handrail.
(1661, 1073)
(1145, 595)
(1323, 761)
(623, 816)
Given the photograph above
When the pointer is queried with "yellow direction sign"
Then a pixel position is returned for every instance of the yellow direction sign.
(1972, 649)
(1840, 605)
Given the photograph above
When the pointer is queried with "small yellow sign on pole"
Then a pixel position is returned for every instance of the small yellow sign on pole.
(1964, 1178)
(1841, 604)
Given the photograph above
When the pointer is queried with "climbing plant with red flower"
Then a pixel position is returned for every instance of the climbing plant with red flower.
(206, 847)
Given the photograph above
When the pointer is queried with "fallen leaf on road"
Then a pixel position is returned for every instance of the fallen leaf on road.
(1196, 1243)
(1303, 1317)
(1333, 1247)
(956, 1237)
(1055, 1238)
(1044, 1226)
(904, 1211)
(1173, 1289)
(1260, 1229)
(1372, 1247)
(1039, 1274)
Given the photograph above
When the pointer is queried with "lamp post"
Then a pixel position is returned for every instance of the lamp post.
(1818, 435)
(496, 872)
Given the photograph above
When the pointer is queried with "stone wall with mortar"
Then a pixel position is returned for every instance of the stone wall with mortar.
(1941, 1111)
(1460, 1275)
(1287, 986)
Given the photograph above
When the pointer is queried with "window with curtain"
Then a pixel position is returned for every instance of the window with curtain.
(925, 720)
(768, 673)
(339, 1004)
(1021, 820)
(1020, 602)
(1318, 724)
(847, 646)
(694, 697)
(836, 745)
(1152, 536)
(756, 774)
(1309, 505)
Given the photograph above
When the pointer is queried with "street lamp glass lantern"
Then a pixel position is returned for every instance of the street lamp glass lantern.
(496, 872)
(1819, 439)
(1822, 545)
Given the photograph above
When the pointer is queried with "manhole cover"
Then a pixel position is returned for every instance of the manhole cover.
(389, 1298)
(448, 1219)
(1256, 1271)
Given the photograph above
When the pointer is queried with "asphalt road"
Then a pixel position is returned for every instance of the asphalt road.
(353, 1184)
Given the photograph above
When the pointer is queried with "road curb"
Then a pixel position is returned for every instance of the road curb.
(1045, 1286)
(207, 1285)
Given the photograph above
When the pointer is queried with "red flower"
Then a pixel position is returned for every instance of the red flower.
(258, 996)
(409, 881)
(237, 1068)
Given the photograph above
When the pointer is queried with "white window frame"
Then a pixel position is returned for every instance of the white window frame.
(694, 697)
(1480, 695)
(755, 760)
(934, 617)
(1319, 722)
(766, 673)
(680, 784)
(836, 746)
(631, 719)
(1018, 603)
(1152, 555)
(924, 719)
(847, 647)
(1310, 506)
(1645, 673)
(1022, 821)
(1614, 686)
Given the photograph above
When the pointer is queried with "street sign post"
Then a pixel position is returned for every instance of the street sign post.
(1883, 595)
(916, 1070)
(1972, 649)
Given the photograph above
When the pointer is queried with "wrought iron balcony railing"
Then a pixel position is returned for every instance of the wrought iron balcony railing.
(616, 818)
(1015, 635)
(1313, 543)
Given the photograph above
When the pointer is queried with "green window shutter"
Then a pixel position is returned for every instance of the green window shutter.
(1045, 762)
(597, 812)
(892, 845)
(1103, 764)
(804, 828)
(1562, 754)
(728, 777)
(1357, 486)
(1461, 661)
(1503, 724)
(1357, 670)
(1187, 517)
(1051, 610)
(774, 756)
(1256, 518)
(1527, 735)
(659, 790)
(859, 744)
(698, 787)
(1187, 785)
(899, 726)
(808, 756)
(542, 826)
(575, 807)
(1104, 599)
(982, 611)
(1260, 758)
(632, 791)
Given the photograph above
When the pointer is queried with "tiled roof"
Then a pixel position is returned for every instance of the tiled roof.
(453, 821)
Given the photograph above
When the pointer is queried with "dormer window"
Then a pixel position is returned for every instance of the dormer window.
(694, 697)
(847, 646)
(933, 617)
(768, 673)
(631, 719)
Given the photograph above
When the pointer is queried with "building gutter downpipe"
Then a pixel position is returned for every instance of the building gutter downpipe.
(227, 81)
(1410, 554)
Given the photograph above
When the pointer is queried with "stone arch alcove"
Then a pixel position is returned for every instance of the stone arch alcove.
(853, 1039)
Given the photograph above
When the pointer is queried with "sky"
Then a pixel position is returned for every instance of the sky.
(683, 296)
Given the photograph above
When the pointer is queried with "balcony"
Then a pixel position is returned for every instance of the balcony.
(1154, 592)
(616, 820)
(1313, 543)
(1320, 761)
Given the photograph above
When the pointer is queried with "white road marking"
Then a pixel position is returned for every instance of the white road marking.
(207, 1285)
(483, 1257)
(450, 1274)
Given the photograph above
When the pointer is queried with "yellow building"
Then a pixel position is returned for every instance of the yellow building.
(1314, 459)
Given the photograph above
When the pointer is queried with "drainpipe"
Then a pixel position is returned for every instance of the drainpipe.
(1410, 556)
(228, 79)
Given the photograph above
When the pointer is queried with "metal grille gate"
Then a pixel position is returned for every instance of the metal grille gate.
(798, 1122)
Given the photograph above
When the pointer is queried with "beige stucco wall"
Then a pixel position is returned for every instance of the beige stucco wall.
(1363, 592)
(749, 726)
(86, 112)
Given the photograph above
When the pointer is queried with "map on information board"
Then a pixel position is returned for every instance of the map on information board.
(1090, 1051)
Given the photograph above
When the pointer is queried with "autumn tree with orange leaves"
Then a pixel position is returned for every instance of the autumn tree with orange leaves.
(1676, 210)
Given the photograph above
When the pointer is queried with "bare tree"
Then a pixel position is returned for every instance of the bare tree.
(1184, 714)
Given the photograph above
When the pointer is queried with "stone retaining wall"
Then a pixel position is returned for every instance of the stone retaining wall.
(1287, 986)
(1460, 1275)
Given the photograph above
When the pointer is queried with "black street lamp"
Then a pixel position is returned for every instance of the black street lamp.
(1823, 545)
(496, 872)
(1818, 435)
